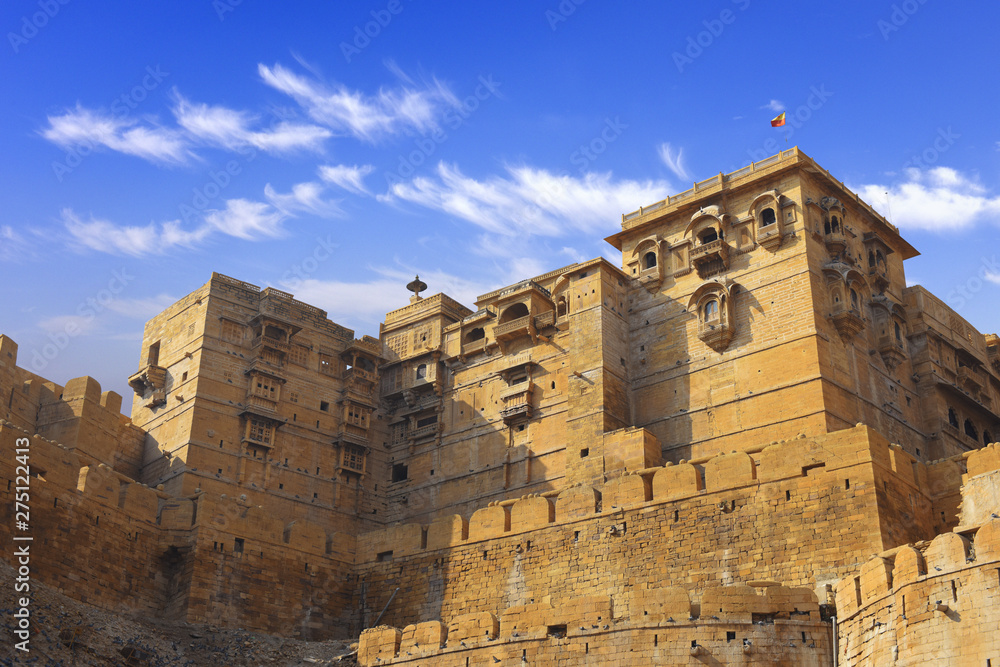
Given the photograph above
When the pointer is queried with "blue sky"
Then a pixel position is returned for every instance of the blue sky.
(334, 150)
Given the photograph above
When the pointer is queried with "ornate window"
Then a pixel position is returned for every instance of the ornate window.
(422, 371)
(649, 260)
(713, 303)
(352, 458)
(970, 429)
(260, 431)
(767, 217)
(327, 365)
(299, 355)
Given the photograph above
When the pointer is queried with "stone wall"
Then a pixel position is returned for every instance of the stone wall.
(802, 512)
(107, 540)
(927, 604)
(731, 625)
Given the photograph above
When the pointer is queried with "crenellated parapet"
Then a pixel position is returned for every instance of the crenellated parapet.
(702, 480)
(947, 588)
(730, 625)
(153, 551)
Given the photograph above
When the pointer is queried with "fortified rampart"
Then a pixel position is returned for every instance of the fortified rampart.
(930, 602)
(730, 625)
(105, 539)
(556, 455)
(803, 512)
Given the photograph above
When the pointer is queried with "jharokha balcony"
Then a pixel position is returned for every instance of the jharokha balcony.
(517, 402)
(710, 258)
(153, 380)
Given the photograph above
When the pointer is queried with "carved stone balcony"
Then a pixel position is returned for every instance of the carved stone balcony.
(271, 342)
(545, 320)
(893, 351)
(970, 378)
(835, 242)
(152, 380)
(879, 276)
(358, 373)
(522, 326)
(353, 433)
(716, 334)
(517, 402)
(848, 322)
(428, 431)
(474, 347)
(770, 237)
(710, 258)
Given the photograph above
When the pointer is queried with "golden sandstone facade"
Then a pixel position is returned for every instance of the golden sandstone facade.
(750, 428)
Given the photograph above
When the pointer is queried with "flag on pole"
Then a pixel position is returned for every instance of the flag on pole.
(778, 120)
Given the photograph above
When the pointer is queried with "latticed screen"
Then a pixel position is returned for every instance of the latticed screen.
(299, 355)
(260, 431)
(232, 331)
(354, 458)
(326, 364)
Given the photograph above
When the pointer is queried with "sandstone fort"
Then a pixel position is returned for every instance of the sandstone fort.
(749, 443)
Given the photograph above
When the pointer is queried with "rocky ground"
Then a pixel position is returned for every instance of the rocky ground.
(69, 634)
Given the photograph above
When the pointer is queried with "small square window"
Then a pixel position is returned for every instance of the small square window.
(324, 406)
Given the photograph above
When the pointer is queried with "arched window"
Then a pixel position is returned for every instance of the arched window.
(561, 309)
(826, 227)
(711, 310)
(476, 334)
(649, 260)
(952, 417)
(767, 217)
(421, 371)
(854, 299)
(880, 259)
(970, 429)
(708, 236)
(514, 312)
(986, 438)
(835, 224)
(899, 333)
(871, 258)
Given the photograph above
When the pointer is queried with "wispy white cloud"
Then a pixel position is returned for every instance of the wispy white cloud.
(13, 246)
(370, 301)
(992, 277)
(136, 241)
(530, 201)
(348, 178)
(231, 129)
(366, 117)
(674, 159)
(84, 127)
(776, 106)
(143, 308)
(939, 199)
(304, 198)
(245, 219)
(75, 325)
